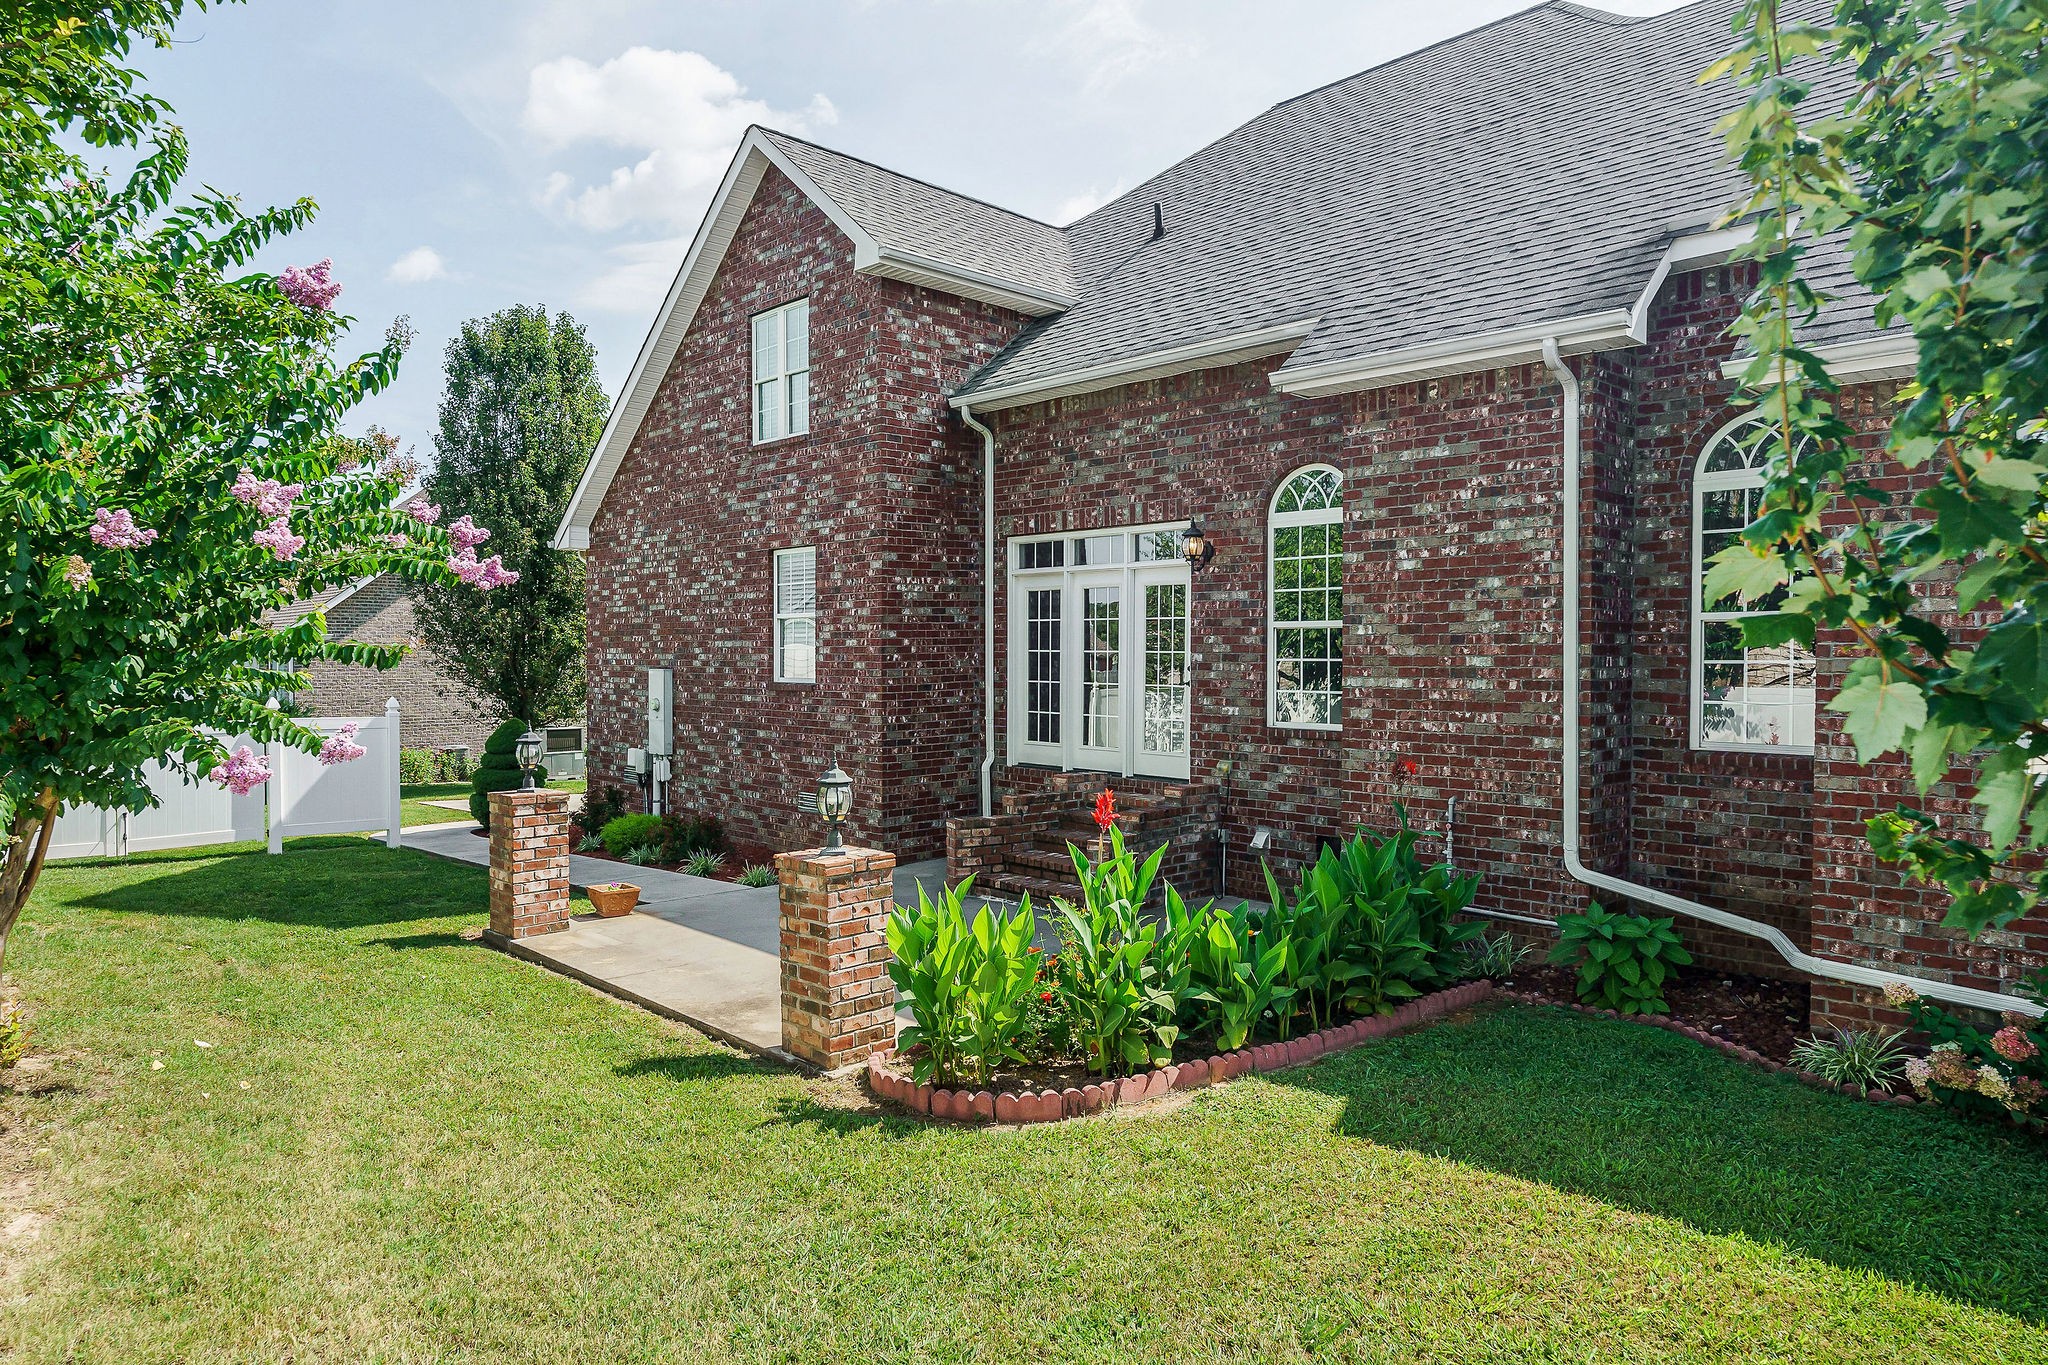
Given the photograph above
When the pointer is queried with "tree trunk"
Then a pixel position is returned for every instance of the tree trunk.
(21, 862)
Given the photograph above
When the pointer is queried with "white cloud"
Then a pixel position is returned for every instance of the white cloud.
(1110, 40)
(680, 110)
(417, 266)
(637, 277)
(1078, 206)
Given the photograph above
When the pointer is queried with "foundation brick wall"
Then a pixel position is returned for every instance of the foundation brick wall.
(434, 710)
(838, 1003)
(886, 485)
(529, 863)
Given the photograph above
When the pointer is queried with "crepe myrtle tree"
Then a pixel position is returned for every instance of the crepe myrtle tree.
(1931, 174)
(168, 465)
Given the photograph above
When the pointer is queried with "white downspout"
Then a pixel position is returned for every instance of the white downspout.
(1664, 900)
(988, 608)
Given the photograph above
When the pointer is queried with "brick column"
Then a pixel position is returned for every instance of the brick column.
(529, 863)
(838, 1004)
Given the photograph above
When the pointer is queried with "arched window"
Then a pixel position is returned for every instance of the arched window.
(1741, 698)
(1305, 601)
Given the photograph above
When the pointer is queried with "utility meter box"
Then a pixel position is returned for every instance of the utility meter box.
(636, 761)
(660, 714)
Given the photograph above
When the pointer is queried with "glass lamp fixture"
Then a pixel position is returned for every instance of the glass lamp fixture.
(835, 800)
(1200, 549)
(527, 750)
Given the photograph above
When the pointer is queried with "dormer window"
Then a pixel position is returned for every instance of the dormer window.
(782, 372)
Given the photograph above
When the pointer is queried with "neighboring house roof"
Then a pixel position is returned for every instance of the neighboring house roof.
(298, 608)
(1446, 211)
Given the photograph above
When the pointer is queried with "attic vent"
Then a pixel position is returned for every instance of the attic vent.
(1158, 223)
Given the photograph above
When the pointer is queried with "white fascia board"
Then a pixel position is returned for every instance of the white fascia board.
(1208, 354)
(1603, 331)
(893, 263)
(1692, 249)
(1866, 360)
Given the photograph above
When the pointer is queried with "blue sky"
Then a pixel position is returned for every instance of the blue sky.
(472, 154)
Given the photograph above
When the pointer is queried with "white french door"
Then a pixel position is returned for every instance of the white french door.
(1098, 667)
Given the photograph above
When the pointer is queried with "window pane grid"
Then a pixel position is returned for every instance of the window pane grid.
(781, 367)
(1306, 602)
(1042, 666)
(796, 626)
(1166, 668)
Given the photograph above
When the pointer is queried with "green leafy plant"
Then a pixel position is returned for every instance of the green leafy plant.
(629, 832)
(969, 985)
(13, 1034)
(642, 855)
(1239, 974)
(416, 767)
(683, 837)
(1495, 956)
(1124, 1019)
(499, 771)
(1623, 960)
(756, 874)
(1864, 1058)
(601, 808)
(2001, 1073)
(590, 843)
(704, 864)
(1934, 171)
(1377, 949)
(1439, 895)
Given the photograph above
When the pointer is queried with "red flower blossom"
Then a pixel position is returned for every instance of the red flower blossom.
(1045, 997)
(1105, 809)
(1407, 767)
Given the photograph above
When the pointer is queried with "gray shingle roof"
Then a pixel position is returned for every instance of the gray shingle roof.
(938, 225)
(1530, 170)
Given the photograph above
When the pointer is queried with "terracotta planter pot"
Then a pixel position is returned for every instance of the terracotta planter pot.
(613, 901)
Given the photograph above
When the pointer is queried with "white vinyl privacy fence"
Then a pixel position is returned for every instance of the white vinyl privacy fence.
(303, 796)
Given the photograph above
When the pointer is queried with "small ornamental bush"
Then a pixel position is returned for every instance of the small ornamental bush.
(1865, 1059)
(628, 832)
(13, 1034)
(642, 855)
(590, 843)
(2001, 1074)
(684, 837)
(704, 864)
(1623, 960)
(416, 767)
(756, 874)
(601, 808)
(498, 771)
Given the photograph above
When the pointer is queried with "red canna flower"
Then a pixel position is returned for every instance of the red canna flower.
(1105, 809)
(1045, 997)
(1407, 767)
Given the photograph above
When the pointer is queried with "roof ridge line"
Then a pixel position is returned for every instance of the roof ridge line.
(914, 179)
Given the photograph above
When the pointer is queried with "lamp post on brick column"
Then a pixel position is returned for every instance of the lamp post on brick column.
(838, 1004)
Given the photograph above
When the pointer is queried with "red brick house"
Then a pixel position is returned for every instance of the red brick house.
(1434, 357)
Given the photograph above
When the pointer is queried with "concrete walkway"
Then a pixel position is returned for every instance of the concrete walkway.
(697, 950)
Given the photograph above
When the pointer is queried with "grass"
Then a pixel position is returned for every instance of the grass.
(443, 1154)
(414, 796)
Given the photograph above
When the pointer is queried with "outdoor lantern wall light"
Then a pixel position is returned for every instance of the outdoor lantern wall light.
(1200, 549)
(835, 799)
(527, 750)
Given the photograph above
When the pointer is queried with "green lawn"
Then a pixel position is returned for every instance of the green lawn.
(443, 1154)
(413, 797)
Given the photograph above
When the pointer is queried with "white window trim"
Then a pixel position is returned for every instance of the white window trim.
(779, 615)
(1136, 574)
(781, 313)
(1702, 484)
(1320, 516)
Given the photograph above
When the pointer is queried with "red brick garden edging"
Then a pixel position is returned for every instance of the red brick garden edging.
(1045, 1106)
(1700, 1035)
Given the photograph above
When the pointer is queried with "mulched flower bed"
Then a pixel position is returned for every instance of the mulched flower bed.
(1753, 1012)
(737, 859)
(889, 1076)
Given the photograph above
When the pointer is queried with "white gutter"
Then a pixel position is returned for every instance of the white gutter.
(1664, 900)
(988, 606)
(1608, 330)
(1207, 354)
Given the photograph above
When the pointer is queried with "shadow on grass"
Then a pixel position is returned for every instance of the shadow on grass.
(701, 1066)
(1648, 1121)
(803, 1111)
(352, 883)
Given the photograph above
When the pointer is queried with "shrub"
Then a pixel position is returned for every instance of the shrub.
(1495, 956)
(1998, 1074)
(416, 767)
(1623, 960)
(601, 808)
(756, 874)
(498, 770)
(968, 984)
(1108, 980)
(628, 832)
(682, 838)
(451, 765)
(13, 1034)
(1864, 1059)
(704, 864)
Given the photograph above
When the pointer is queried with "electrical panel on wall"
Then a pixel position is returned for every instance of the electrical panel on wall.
(660, 703)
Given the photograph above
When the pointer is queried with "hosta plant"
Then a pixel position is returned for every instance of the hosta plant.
(1864, 1058)
(968, 984)
(1623, 960)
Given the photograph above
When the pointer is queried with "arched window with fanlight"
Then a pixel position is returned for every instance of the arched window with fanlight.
(1742, 699)
(1305, 601)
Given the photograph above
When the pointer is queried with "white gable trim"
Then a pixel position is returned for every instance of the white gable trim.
(1866, 360)
(700, 266)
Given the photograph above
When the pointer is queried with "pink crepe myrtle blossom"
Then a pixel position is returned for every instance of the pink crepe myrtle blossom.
(2014, 1045)
(270, 498)
(279, 540)
(77, 572)
(242, 773)
(485, 574)
(396, 542)
(466, 534)
(425, 513)
(115, 528)
(310, 286)
(341, 746)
